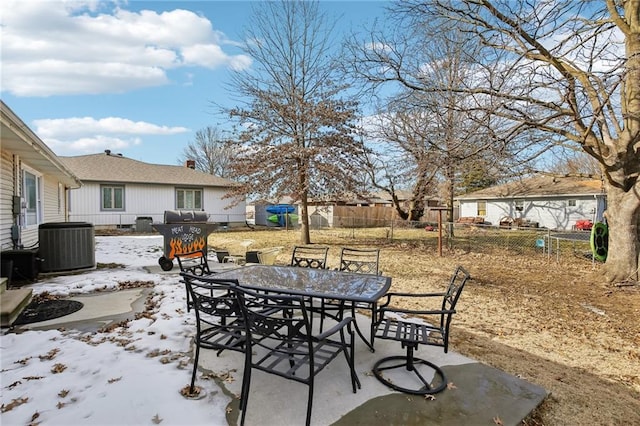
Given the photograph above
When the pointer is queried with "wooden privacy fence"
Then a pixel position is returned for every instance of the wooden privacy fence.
(360, 216)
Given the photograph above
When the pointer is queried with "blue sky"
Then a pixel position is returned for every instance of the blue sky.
(136, 77)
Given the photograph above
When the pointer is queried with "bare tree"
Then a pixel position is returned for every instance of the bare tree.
(297, 131)
(211, 151)
(573, 163)
(571, 71)
(435, 134)
(553, 71)
(401, 161)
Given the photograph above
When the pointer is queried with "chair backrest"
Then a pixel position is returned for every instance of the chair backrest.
(360, 260)
(216, 307)
(194, 262)
(452, 294)
(280, 331)
(310, 257)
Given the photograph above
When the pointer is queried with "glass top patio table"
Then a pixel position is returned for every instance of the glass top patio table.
(320, 283)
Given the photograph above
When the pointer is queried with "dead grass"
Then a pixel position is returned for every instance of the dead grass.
(553, 324)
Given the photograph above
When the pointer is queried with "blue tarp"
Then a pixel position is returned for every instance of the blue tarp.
(281, 211)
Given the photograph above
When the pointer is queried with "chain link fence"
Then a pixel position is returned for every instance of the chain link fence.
(453, 237)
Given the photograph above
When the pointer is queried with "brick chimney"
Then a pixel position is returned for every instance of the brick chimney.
(191, 164)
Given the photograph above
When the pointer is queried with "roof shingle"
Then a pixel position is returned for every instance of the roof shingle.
(116, 168)
(547, 186)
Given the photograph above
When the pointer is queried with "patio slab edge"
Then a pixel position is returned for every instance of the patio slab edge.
(478, 395)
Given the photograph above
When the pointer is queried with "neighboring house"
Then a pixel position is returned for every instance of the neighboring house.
(34, 183)
(119, 192)
(551, 202)
(431, 208)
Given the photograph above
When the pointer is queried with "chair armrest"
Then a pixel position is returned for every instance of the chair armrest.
(392, 294)
(339, 326)
(416, 311)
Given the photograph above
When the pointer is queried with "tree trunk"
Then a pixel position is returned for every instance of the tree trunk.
(305, 236)
(623, 213)
(623, 199)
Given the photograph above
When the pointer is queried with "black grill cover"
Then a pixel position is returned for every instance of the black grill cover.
(184, 216)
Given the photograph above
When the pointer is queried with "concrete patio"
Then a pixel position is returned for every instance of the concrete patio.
(477, 394)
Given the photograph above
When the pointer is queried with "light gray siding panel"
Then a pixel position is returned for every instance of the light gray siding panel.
(150, 200)
(496, 210)
(468, 208)
(51, 211)
(220, 210)
(53, 201)
(6, 193)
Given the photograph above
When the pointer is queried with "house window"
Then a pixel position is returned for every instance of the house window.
(188, 199)
(32, 195)
(112, 197)
(482, 208)
(519, 205)
(571, 203)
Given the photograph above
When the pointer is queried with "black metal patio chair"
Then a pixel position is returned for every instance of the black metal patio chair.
(194, 263)
(219, 324)
(362, 261)
(401, 324)
(281, 342)
(309, 257)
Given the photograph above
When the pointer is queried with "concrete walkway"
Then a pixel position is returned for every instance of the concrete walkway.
(477, 394)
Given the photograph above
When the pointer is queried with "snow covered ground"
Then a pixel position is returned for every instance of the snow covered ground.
(125, 376)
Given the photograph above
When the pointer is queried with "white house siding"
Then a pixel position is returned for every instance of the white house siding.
(552, 213)
(52, 211)
(146, 200)
(468, 208)
(54, 200)
(6, 194)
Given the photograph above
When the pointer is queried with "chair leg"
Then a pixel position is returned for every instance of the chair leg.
(350, 357)
(244, 392)
(409, 363)
(309, 401)
(372, 331)
(188, 302)
(195, 366)
(367, 342)
(321, 315)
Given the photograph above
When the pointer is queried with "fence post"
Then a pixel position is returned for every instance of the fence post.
(549, 247)
(440, 233)
(353, 227)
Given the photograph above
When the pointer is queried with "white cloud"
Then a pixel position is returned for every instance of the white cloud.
(91, 145)
(378, 47)
(69, 127)
(81, 135)
(58, 47)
